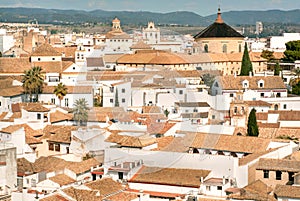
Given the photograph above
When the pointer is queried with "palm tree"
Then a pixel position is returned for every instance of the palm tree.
(33, 82)
(60, 91)
(80, 111)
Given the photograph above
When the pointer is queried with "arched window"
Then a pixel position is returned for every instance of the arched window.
(276, 107)
(240, 47)
(224, 48)
(206, 48)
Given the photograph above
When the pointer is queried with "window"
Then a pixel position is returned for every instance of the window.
(231, 95)
(0, 103)
(123, 90)
(224, 48)
(278, 94)
(111, 100)
(66, 102)
(213, 116)
(53, 100)
(111, 89)
(240, 48)
(235, 110)
(278, 175)
(219, 188)
(207, 188)
(262, 94)
(39, 116)
(123, 100)
(53, 59)
(74, 68)
(291, 177)
(266, 174)
(261, 84)
(39, 59)
(180, 91)
(206, 48)
(57, 147)
(284, 106)
(195, 110)
(51, 146)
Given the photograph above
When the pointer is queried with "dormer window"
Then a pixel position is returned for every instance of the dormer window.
(245, 84)
(261, 83)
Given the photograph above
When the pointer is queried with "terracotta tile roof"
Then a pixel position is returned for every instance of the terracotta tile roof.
(195, 115)
(83, 166)
(262, 116)
(11, 129)
(287, 115)
(32, 140)
(159, 194)
(71, 89)
(273, 133)
(14, 65)
(151, 109)
(287, 191)
(245, 160)
(163, 142)
(58, 116)
(102, 113)
(55, 197)
(259, 103)
(111, 58)
(130, 141)
(278, 164)
(159, 127)
(192, 104)
(94, 62)
(170, 176)
(157, 57)
(268, 125)
(34, 107)
(141, 45)
(12, 91)
(62, 179)
(243, 144)
(82, 195)
(60, 134)
(24, 167)
(230, 82)
(53, 66)
(53, 164)
(106, 186)
(45, 50)
(68, 51)
(256, 190)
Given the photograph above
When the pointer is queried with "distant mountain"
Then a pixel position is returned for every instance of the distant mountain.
(250, 17)
(142, 17)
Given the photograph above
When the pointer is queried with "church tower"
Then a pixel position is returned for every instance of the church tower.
(151, 34)
(116, 25)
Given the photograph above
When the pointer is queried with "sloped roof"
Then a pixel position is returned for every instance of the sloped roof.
(170, 176)
(287, 191)
(45, 50)
(141, 45)
(242, 144)
(192, 104)
(230, 82)
(106, 186)
(157, 57)
(278, 164)
(94, 62)
(62, 179)
(218, 29)
(14, 65)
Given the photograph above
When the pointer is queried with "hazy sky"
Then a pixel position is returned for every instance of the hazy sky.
(202, 7)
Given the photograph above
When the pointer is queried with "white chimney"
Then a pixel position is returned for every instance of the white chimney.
(250, 73)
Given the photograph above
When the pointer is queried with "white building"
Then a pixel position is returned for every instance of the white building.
(277, 43)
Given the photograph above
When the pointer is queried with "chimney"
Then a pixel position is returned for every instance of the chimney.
(201, 180)
(250, 73)
(280, 73)
(234, 74)
(130, 165)
(265, 74)
(223, 180)
(122, 165)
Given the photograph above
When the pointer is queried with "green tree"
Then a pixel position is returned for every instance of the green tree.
(292, 51)
(60, 91)
(80, 112)
(277, 69)
(296, 89)
(269, 55)
(33, 82)
(117, 98)
(166, 112)
(246, 63)
(252, 129)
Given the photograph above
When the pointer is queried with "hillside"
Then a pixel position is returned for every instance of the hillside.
(142, 17)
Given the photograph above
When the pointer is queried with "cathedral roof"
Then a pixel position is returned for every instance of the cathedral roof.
(218, 29)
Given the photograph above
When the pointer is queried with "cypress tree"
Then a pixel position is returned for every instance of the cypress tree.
(246, 63)
(116, 98)
(252, 129)
(277, 69)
